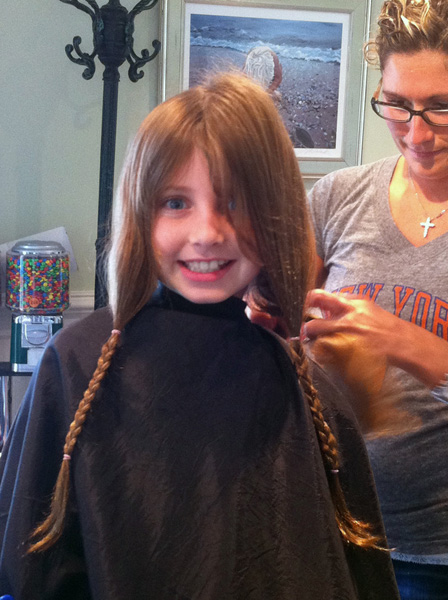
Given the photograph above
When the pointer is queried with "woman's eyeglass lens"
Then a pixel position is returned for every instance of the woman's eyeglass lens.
(399, 114)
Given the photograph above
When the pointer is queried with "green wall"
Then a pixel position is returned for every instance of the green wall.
(50, 123)
(377, 142)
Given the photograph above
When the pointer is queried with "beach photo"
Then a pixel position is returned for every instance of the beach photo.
(300, 59)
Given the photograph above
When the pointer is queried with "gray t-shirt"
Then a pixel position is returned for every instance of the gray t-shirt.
(365, 253)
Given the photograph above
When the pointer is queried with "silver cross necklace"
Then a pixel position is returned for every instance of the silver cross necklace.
(429, 220)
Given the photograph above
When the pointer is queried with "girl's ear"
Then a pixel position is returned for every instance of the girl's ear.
(270, 322)
(262, 318)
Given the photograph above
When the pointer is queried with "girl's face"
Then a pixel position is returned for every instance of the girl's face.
(419, 81)
(196, 246)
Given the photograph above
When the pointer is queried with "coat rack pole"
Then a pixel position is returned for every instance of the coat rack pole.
(111, 78)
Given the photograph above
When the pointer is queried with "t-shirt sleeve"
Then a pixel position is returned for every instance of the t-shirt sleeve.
(319, 198)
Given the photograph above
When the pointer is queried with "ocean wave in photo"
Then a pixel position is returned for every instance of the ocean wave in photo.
(301, 40)
(304, 53)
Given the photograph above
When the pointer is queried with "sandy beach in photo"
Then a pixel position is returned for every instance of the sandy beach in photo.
(307, 95)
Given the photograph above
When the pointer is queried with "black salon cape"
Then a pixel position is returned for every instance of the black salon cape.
(197, 475)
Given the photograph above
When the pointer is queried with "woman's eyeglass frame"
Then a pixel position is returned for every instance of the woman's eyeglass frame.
(375, 104)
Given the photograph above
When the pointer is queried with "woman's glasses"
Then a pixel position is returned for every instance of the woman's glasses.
(399, 114)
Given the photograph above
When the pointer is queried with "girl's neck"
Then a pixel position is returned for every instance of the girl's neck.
(232, 307)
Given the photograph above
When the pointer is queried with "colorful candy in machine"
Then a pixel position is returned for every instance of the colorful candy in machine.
(37, 292)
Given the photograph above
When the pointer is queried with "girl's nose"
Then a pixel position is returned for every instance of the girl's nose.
(209, 227)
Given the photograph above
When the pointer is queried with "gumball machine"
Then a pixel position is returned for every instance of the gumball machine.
(37, 292)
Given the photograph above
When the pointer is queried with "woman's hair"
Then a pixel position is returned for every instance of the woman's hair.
(408, 26)
(252, 162)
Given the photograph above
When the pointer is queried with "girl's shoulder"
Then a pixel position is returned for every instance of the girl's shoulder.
(335, 402)
(83, 338)
(96, 324)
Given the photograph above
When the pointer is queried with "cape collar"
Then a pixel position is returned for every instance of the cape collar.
(232, 308)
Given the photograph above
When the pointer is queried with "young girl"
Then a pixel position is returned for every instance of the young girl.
(197, 465)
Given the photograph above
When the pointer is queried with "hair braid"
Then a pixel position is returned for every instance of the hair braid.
(50, 530)
(352, 530)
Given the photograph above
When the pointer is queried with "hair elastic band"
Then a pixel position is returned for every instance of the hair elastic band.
(335, 471)
(66, 457)
(116, 332)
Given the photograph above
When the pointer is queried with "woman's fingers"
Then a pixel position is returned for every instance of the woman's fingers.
(319, 327)
(341, 314)
(332, 305)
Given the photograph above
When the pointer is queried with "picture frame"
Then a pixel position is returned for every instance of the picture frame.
(320, 85)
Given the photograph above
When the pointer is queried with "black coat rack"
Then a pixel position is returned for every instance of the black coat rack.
(113, 28)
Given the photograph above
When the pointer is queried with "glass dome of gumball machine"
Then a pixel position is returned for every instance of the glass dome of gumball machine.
(37, 292)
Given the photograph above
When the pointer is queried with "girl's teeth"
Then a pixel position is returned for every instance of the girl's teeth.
(206, 266)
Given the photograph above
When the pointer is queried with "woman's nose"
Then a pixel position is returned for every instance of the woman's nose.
(419, 131)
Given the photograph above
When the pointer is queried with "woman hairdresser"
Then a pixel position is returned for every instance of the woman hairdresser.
(382, 239)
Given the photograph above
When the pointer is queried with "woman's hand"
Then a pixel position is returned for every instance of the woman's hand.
(403, 344)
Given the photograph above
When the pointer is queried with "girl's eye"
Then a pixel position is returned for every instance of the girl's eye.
(174, 204)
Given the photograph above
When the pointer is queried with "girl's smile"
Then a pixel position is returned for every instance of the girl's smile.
(202, 270)
(196, 245)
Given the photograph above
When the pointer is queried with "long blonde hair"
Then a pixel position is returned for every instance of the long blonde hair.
(251, 160)
(408, 26)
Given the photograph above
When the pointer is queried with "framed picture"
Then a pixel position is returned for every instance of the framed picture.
(308, 53)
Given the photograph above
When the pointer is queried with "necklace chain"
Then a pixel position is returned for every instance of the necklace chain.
(429, 220)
